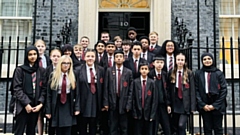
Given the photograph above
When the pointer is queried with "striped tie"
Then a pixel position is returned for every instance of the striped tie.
(170, 64)
(34, 83)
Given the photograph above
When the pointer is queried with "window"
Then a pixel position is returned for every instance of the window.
(230, 26)
(124, 3)
(15, 20)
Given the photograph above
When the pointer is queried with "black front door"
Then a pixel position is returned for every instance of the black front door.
(117, 23)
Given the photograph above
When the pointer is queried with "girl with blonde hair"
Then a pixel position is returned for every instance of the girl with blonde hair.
(62, 98)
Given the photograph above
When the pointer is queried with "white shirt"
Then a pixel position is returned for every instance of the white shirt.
(60, 84)
(44, 61)
(89, 75)
(177, 74)
(111, 58)
(145, 56)
(152, 46)
(168, 61)
(121, 69)
(141, 78)
(206, 81)
(157, 72)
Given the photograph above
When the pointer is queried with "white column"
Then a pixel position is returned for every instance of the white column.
(161, 19)
(88, 20)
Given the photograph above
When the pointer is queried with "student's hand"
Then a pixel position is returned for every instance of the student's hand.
(28, 108)
(169, 109)
(206, 108)
(106, 108)
(48, 116)
(211, 107)
(150, 119)
(103, 109)
(37, 108)
(135, 117)
(127, 110)
(76, 112)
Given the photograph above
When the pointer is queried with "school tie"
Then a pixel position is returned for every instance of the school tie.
(40, 62)
(143, 92)
(180, 84)
(151, 48)
(125, 57)
(159, 77)
(135, 66)
(119, 81)
(110, 61)
(143, 56)
(100, 57)
(83, 54)
(170, 64)
(93, 87)
(208, 81)
(63, 92)
(34, 83)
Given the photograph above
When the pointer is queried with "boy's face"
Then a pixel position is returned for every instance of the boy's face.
(77, 51)
(132, 35)
(158, 64)
(84, 42)
(144, 70)
(126, 48)
(100, 48)
(90, 58)
(118, 43)
(110, 48)
(145, 44)
(119, 59)
(153, 38)
(105, 37)
(136, 50)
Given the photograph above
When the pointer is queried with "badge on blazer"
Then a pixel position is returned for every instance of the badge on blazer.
(101, 80)
(149, 93)
(187, 85)
(125, 84)
(113, 72)
(40, 83)
(219, 86)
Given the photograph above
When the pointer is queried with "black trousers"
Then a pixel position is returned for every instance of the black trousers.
(75, 128)
(162, 117)
(131, 125)
(51, 130)
(104, 129)
(118, 123)
(63, 130)
(88, 121)
(26, 120)
(143, 127)
(212, 121)
(179, 123)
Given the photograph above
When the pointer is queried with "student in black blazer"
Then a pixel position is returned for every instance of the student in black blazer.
(211, 92)
(181, 94)
(29, 90)
(154, 48)
(160, 78)
(126, 47)
(62, 98)
(108, 60)
(118, 95)
(100, 51)
(133, 62)
(145, 52)
(54, 56)
(90, 86)
(144, 102)
(169, 50)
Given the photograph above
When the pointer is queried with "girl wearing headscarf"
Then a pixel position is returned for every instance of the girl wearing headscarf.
(29, 90)
(62, 98)
(211, 92)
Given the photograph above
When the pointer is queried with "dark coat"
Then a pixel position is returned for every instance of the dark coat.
(164, 78)
(150, 101)
(104, 62)
(129, 63)
(156, 50)
(48, 60)
(110, 90)
(97, 59)
(219, 103)
(83, 86)
(188, 91)
(22, 99)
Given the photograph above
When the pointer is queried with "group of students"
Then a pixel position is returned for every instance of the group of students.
(128, 88)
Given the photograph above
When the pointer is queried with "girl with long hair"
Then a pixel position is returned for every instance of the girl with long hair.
(62, 98)
(182, 97)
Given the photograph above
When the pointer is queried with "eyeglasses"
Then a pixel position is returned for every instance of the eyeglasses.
(66, 63)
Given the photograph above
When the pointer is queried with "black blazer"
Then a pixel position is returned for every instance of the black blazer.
(164, 78)
(97, 59)
(48, 60)
(104, 62)
(150, 101)
(219, 82)
(110, 90)
(22, 98)
(188, 91)
(129, 63)
(156, 50)
(83, 86)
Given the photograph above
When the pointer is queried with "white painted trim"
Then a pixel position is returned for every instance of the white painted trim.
(124, 10)
(15, 18)
(229, 16)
